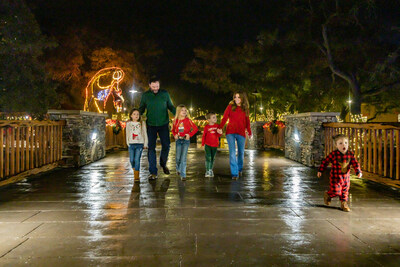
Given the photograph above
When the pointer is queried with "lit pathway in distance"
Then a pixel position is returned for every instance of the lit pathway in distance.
(273, 216)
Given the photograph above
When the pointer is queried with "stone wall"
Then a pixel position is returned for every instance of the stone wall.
(84, 136)
(304, 137)
(257, 142)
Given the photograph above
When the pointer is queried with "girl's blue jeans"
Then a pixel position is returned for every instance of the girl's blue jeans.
(135, 152)
(236, 163)
(182, 146)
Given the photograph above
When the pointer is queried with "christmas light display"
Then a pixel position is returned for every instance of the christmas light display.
(102, 85)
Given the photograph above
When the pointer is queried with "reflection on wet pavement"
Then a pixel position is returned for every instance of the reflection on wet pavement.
(272, 216)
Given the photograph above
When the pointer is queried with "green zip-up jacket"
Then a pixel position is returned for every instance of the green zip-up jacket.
(157, 106)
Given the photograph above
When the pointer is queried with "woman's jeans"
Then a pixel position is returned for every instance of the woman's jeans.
(182, 146)
(236, 163)
(135, 152)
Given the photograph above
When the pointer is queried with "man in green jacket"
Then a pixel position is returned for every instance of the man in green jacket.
(157, 103)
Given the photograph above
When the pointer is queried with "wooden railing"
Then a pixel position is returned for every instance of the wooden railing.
(376, 146)
(25, 145)
(274, 140)
(115, 140)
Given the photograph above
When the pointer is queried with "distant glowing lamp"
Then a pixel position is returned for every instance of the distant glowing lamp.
(94, 136)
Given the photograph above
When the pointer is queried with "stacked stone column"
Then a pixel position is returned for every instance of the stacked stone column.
(84, 136)
(304, 137)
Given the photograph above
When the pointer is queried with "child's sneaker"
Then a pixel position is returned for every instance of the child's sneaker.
(211, 173)
(327, 199)
(207, 174)
(345, 207)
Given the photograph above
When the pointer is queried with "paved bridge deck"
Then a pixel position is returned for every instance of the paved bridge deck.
(273, 216)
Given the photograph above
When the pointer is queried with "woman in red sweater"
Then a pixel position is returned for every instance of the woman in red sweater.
(183, 128)
(238, 126)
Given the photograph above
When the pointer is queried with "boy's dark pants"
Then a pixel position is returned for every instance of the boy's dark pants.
(163, 133)
(210, 156)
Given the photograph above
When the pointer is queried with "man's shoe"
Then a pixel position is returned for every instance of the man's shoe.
(327, 199)
(235, 178)
(207, 174)
(345, 207)
(153, 176)
(166, 170)
(183, 178)
(211, 173)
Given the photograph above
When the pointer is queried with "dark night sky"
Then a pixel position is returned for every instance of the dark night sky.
(176, 26)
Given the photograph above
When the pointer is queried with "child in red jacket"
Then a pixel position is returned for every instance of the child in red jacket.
(183, 128)
(341, 160)
(210, 141)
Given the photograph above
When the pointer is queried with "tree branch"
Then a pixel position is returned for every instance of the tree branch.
(332, 66)
(377, 91)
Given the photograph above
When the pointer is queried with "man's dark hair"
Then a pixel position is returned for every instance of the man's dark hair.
(208, 116)
(154, 79)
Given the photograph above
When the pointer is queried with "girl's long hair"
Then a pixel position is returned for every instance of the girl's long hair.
(178, 111)
(130, 114)
(244, 104)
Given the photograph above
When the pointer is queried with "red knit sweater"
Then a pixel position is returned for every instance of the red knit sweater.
(238, 121)
(210, 135)
(183, 127)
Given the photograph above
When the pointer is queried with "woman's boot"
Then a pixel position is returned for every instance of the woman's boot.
(136, 175)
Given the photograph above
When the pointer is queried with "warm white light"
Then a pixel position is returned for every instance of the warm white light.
(261, 108)
(296, 137)
(94, 136)
(132, 91)
(349, 101)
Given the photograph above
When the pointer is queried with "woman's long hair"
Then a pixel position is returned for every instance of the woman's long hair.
(244, 104)
(130, 114)
(178, 111)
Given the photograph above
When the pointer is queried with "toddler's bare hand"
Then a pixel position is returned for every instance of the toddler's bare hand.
(359, 175)
(219, 131)
(319, 174)
(176, 137)
(187, 137)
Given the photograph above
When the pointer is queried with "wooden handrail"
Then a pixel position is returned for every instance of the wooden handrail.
(361, 125)
(20, 123)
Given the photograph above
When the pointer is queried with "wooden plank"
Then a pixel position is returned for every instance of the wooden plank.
(361, 125)
(31, 165)
(385, 160)
(356, 144)
(60, 142)
(369, 151)
(365, 155)
(12, 155)
(1, 152)
(17, 150)
(391, 134)
(20, 123)
(7, 161)
(380, 152)
(36, 146)
(40, 146)
(53, 143)
(48, 144)
(375, 169)
(398, 154)
(27, 148)
(44, 151)
(23, 133)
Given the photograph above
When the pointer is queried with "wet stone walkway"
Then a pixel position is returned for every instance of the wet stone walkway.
(273, 216)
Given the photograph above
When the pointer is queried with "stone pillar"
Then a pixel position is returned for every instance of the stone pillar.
(84, 136)
(304, 137)
(257, 142)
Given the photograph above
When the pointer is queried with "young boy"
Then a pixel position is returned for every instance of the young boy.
(210, 140)
(339, 178)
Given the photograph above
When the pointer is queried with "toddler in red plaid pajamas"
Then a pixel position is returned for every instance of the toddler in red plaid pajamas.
(339, 179)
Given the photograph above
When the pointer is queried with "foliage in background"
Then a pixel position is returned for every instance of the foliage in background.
(24, 84)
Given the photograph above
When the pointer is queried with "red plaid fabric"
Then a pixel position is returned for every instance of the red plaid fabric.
(339, 179)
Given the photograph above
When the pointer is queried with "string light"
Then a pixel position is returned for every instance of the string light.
(96, 92)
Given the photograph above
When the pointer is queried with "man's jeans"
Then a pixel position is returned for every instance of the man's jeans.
(163, 133)
(236, 163)
(135, 152)
(182, 146)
